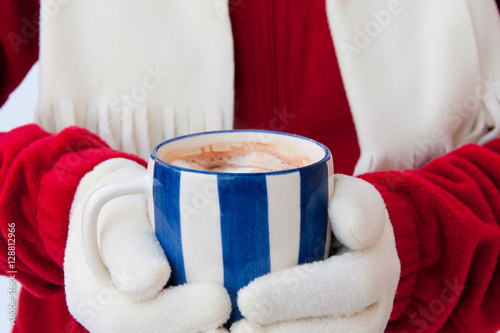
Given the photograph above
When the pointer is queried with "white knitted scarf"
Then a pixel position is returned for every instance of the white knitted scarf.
(422, 77)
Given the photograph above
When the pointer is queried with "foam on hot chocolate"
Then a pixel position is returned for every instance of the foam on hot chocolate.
(237, 157)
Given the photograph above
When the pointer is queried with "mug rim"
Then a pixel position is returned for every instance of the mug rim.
(153, 155)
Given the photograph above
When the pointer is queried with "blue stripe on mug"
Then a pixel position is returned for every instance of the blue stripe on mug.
(245, 246)
(314, 207)
(168, 227)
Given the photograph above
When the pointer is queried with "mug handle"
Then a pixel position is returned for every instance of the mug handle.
(90, 215)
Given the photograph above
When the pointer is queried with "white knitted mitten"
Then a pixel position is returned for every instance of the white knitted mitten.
(135, 300)
(352, 291)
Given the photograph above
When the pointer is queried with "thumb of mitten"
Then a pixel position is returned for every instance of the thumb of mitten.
(357, 212)
(130, 249)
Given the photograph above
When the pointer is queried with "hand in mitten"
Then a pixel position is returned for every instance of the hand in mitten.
(352, 291)
(134, 300)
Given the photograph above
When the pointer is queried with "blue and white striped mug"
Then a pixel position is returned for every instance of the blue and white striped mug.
(230, 227)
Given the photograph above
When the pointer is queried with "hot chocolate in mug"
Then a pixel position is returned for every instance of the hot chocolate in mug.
(229, 206)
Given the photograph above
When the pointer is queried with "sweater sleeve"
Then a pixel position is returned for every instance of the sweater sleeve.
(19, 31)
(39, 174)
(446, 219)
